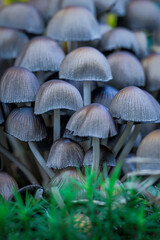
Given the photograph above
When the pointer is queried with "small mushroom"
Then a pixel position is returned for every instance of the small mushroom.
(7, 184)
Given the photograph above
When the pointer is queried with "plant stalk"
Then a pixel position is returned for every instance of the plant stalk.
(96, 156)
(56, 126)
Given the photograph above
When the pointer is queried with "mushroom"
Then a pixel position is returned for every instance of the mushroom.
(89, 4)
(7, 185)
(56, 95)
(133, 105)
(126, 70)
(94, 121)
(41, 55)
(85, 64)
(142, 43)
(28, 19)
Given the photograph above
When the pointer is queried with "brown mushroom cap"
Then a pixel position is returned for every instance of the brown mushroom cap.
(135, 105)
(126, 70)
(65, 153)
(73, 24)
(93, 120)
(85, 64)
(57, 94)
(41, 54)
(24, 125)
(7, 184)
(18, 85)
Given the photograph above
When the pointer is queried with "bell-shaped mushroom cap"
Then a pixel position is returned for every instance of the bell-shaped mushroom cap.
(106, 157)
(85, 64)
(133, 104)
(142, 14)
(104, 95)
(41, 54)
(104, 5)
(126, 70)
(104, 28)
(11, 42)
(18, 85)
(142, 43)
(93, 120)
(119, 8)
(7, 184)
(150, 146)
(89, 4)
(119, 38)
(73, 24)
(24, 125)
(41, 5)
(65, 153)
(151, 65)
(57, 94)
(22, 16)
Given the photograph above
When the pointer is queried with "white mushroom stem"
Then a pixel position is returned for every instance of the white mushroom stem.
(40, 159)
(58, 198)
(56, 125)
(13, 159)
(123, 138)
(126, 150)
(87, 93)
(96, 156)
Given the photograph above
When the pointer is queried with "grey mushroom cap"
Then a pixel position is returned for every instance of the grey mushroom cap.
(135, 105)
(119, 8)
(148, 19)
(22, 16)
(85, 64)
(151, 66)
(93, 120)
(41, 54)
(150, 145)
(89, 4)
(119, 38)
(65, 153)
(104, 5)
(57, 94)
(24, 125)
(7, 184)
(104, 95)
(18, 85)
(106, 157)
(126, 70)
(73, 24)
(11, 42)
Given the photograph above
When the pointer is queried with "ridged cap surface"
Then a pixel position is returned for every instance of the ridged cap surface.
(11, 42)
(65, 153)
(23, 17)
(85, 64)
(151, 65)
(57, 94)
(126, 70)
(7, 184)
(104, 5)
(41, 54)
(89, 4)
(142, 14)
(142, 43)
(119, 38)
(73, 24)
(133, 104)
(93, 120)
(24, 125)
(18, 85)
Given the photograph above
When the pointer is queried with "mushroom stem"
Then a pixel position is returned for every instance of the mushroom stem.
(126, 150)
(56, 125)
(87, 93)
(57, 197)
(13, 159)
(96, 156)
(123, 138)
(40, 159)
(40, 76)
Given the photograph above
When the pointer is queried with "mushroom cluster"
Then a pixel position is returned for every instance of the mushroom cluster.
(75, 89)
